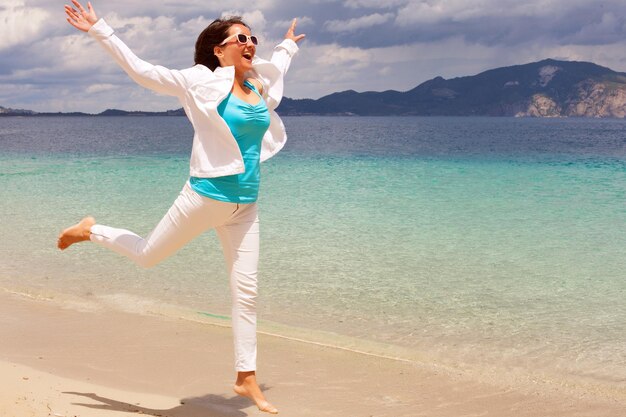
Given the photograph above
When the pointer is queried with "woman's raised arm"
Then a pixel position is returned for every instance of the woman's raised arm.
(155, 77)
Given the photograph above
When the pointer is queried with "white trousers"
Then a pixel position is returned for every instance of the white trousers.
(237, 226)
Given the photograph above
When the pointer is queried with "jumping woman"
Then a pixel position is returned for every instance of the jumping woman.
(229, 96)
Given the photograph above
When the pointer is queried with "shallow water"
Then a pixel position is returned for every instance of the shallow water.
(471, 242)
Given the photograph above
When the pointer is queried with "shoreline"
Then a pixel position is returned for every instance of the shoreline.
(510, 376)
(125, 359)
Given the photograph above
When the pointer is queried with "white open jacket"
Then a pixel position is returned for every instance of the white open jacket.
(214, 152)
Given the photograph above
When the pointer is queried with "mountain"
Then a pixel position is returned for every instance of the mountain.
(15, 112)
(109, 112)
(548, 88)
(115, 112)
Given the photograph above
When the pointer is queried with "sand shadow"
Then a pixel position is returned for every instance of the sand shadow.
(209, 405)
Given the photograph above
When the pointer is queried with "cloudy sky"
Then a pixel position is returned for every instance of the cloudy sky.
(364, 45)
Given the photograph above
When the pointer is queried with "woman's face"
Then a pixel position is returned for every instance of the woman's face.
(234, 53)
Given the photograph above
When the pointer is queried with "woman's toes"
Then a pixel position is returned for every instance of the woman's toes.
(268, 408)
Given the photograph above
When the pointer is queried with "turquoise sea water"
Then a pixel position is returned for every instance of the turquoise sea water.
(476, 243)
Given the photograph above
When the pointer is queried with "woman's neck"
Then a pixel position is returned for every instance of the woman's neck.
(240, 79)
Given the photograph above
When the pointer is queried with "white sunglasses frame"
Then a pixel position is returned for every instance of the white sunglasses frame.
(248, 39)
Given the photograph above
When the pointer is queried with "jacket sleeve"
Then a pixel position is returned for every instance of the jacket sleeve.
(283, 52)
(154, 77)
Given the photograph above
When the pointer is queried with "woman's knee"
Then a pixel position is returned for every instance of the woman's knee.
(147, 261)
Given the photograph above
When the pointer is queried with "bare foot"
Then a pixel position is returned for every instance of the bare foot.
(246, 386)
(77, 233)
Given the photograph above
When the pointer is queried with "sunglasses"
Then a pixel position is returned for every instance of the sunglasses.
(242, 39)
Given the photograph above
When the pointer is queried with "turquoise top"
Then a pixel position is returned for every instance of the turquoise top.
(248, 123)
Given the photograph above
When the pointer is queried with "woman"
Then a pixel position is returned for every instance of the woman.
(229, 96)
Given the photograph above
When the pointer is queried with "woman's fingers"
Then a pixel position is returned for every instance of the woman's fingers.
(81, 10)
(291, 32)
(74, 23)
(70, 11)
(292, 28)
(78, 6)
(73, 15)
(81, 19)
(89, 15)
(71, 22)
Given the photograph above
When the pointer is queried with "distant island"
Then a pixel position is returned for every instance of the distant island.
(4, 111)
(548, 88)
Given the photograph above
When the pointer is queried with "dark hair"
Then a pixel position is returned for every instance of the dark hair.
(212, 36)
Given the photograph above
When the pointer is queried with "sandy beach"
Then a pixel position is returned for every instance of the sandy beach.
(61, 362)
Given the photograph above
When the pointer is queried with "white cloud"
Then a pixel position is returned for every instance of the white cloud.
(121, 23)
(302, 21)
(255, 18)
(417, 11)
(19, 23)
(98, 88)
(433, 11)
(159, 40)
(350, 58)
(385, 71)
(323, 69)
(212, 9)
(358, 22)
(608, 25)
(374, 4)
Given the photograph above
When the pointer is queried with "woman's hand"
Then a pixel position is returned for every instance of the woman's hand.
(81, 19)
(290, 33)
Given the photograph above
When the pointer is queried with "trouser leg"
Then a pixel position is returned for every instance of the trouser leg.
(189, 216)
(240, 243)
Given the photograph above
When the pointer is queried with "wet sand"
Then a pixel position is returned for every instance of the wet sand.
(61, 362)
